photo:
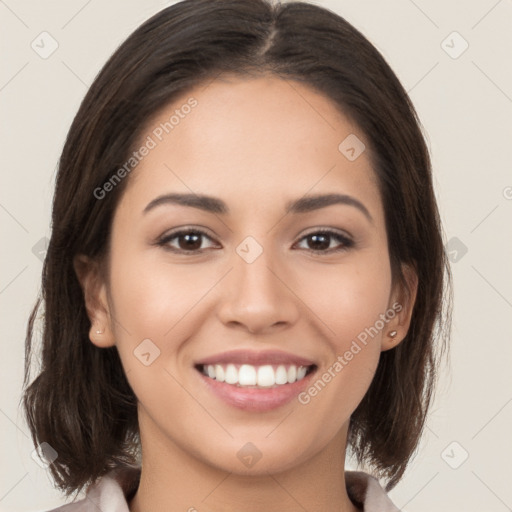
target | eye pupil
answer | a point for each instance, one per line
(193, 241)
(322, 238)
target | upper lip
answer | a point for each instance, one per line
(255, 358)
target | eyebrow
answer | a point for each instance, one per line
(214, 205)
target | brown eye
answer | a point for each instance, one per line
(320, 241)
(188, 241)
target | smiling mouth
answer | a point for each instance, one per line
(256, 376)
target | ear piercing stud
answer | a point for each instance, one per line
(392, 334)
(99, 332)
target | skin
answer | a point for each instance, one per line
(255, 143)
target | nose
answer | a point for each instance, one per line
(258, 296)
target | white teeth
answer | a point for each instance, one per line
(219, 373)
(247, 375)
(292, 374)
(301, 372)
(265, 376)
(231, 374)
(281, 375)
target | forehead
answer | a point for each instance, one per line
(256, 140)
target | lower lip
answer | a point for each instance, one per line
(256, 399)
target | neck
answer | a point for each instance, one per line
(173, 480)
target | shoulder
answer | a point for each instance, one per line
(366, 492)
(108, 494)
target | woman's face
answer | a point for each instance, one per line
(263, 296)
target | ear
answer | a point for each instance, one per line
(402, 300)
(94, 287)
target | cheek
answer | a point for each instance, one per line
(352, 304)
(161, 302)
(151, 297)
(152, 319)
(348, 299)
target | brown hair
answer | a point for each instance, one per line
(80, 403)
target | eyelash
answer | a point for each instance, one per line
(346, 242)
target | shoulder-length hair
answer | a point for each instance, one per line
(80, 403)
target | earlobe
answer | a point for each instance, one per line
(390, 339)
(94, 290)
(403, 299)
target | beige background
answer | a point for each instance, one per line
(465, 104)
